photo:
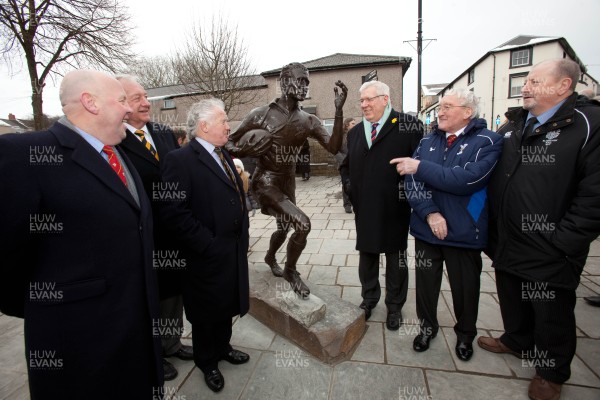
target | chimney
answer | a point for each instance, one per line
(12, 117)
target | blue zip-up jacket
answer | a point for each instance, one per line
(453, 182)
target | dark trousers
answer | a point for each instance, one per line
(396, 279)
(464, 270)
(211, 342)
(345, 197)
(171, 310)
(535, 314)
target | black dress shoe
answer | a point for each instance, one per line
(184, 353)
(236, 357)
(421, 342)
(593, 300)
(464, 350)
(393, 320)
(214, 380)
(367, 309)
(169, 370)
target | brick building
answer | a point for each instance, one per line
(170, 104)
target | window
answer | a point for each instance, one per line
(328, 124)
(168, 103)
(471, 76)
(516, 84)
(519, 58)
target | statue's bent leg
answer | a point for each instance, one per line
(296, 244)
(290, 274)
(277, 239)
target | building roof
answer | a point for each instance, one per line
(334, 61)
(523, 41)
(433, 89)
(165, 92)
(15, 123)
(344, 60)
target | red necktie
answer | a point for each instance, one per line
(374, 131)
(113, 160)
(450, 139)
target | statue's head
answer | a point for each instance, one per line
(294, 81)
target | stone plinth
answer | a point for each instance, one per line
(332, 338)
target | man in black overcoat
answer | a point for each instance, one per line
(76, 237)
(209, 218)
(146, 144)
(382, 213)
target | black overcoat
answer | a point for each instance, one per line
(211, 223)
(382, 214)
(166, 261)
(77, 265)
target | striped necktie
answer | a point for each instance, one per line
(229, 173)
(374, 131)
(113, 160)
(146, 143)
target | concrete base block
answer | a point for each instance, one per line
(332, 338)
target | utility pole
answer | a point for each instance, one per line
(419, 50)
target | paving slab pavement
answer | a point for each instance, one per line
(384, 366)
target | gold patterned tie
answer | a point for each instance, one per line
(226, 167)
(229, 173)
(146, 143)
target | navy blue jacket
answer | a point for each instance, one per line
(453, 182)
(211, 223)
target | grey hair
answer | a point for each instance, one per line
(128, 77)
(204, 110)
(380, 88)
(467, 98)
(566, 68)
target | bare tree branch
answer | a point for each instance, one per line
(153, 72)
(214, 61)
(54, 36)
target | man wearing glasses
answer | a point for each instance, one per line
(376, 191)
(446, 187)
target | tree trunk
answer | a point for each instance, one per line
(36, 103)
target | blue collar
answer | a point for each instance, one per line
(545, 116)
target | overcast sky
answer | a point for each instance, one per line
(279, 32)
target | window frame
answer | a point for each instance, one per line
(529, 49)
(165, 107)
(510, 86)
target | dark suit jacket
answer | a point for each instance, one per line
(166, 263)
(381, 211)
(77, 253)
(212, 224)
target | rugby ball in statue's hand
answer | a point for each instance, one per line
(253, 137)
(255, 142)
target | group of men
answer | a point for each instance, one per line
(100, 199)
(528, 195)
(108, 236)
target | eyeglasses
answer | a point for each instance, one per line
(370, 99)
(448, 107)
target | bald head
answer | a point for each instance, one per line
(548, 83)
(562, 68)
(76, 82)
(95, 102)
